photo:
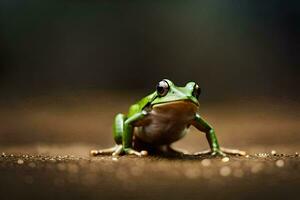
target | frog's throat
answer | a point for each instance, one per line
(178, 102)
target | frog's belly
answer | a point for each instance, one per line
(166, 123)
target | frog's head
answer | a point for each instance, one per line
(167, 91)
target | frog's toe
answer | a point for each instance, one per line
(103, 151)
(117, 151)
(144, 153)
(218, 153)
(94, 152)
(141, 153)
(137, 153)
(209, 152)
(200, 153)
(234, 151)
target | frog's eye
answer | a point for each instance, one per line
(197, 91)
(162, 88)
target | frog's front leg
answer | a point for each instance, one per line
(215, 148)
(122, 133)
(118, 130)
(128, 134)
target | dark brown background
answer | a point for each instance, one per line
(231, 48)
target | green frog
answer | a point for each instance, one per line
(159, 119)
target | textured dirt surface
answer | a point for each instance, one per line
(44, 145)
(72, 177)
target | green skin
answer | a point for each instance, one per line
(141, 115)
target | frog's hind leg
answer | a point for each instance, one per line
(118, 131)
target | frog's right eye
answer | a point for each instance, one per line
(196, 91)
(162, 88)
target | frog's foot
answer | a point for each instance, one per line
(131, 151)
(233, 151)
(118, 151)
(221, 152)
(209, 152)
(104, 151)
(205, 152)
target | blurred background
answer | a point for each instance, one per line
(67, 67)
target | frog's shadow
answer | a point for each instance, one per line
(172, 154)
(180, 156)
(168, 152)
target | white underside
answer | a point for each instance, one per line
(167, 122)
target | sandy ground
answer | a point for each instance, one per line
(44, 145)
(259, 176)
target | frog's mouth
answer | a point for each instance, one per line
(179, 103)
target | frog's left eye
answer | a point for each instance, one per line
(162, 88)
(197, 91)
